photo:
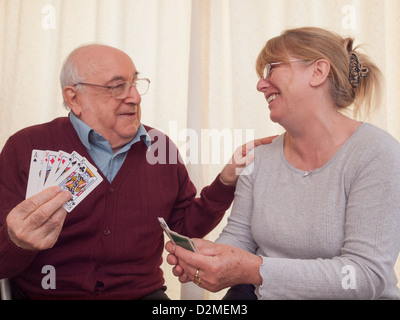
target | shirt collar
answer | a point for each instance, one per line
(85, 133)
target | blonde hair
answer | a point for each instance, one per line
(312, 44)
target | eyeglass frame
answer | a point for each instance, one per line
(132, 84)
(268, 67)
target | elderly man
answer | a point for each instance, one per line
(110, 246)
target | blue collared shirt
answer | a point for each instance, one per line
(100, 149)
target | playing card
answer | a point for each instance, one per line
(79, 181)
(40, 183)
(178, 239)
(35, 171)
(61, 158)
(49, 160)
(74, 159)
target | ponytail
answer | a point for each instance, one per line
(366, 80)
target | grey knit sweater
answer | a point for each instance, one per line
(333, 233)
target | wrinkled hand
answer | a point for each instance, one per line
(241, 158)
(220, 266)
(36, 223)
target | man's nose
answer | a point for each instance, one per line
(133, 95)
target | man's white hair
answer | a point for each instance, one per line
(69, 75)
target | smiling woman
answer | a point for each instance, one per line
(312, 44)
(322, 199)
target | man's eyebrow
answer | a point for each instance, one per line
(121, 78)
(116, 78)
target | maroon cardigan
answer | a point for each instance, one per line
(111, 244)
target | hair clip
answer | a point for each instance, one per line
(356, 71)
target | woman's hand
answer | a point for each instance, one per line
(216, 266)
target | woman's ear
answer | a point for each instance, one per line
(71, 97)
(321, 71)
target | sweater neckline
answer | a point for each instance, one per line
(75, 140)
(341, 150)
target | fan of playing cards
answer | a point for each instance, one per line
(71, 172)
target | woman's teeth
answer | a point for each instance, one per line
(272, 98)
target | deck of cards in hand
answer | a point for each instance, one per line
(71, 172)
(176, 238)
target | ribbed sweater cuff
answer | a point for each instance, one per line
(13, 258)
(217, 191)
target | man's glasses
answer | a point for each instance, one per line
(121, 91)
(272, 65)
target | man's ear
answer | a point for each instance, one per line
(321, 71)
(73, 99)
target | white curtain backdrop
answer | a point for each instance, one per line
(200, 56)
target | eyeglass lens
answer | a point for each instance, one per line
(122, 91)
(267, 69)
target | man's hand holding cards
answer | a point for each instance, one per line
(177, 238)
(70, 172)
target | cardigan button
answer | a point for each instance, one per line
(111, 190)
(106, 232)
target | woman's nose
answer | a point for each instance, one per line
(262, 85)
